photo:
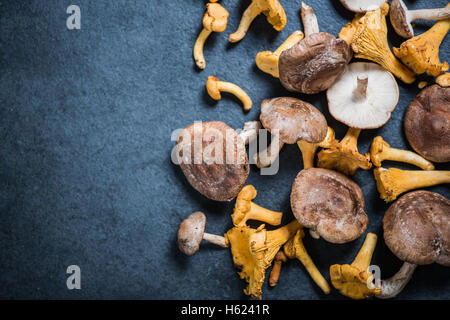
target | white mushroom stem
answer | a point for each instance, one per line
(266, 157)
(394, 285)
(309, 19)
(217, 240)
(250, 131)
(361, 87)
(198, 48)
(314, 234)
(428, 14)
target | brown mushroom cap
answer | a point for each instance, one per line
(330, 204)
(417, 228)
(399, 20)
(427, 123)
(295, 119)
(190, 233)
(313, 64)
(217, 181)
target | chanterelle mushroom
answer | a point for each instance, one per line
(272, 9)
(444, 80)
(254, 250)
(367, 35)
(344, 156)
(380, 150)
(330, 204)
(362, 5)
(313, 64)
(214, 86)
(245, 209)
(427, 123)
(267, 61)
(364, 96)
(191, 233)
(214, 20)
(309, 149)
(421, 53)
(401, 17)
(417, 230)
(393, 182)
(213, 158)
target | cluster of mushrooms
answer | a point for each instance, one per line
(324, 199)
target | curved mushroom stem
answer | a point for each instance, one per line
(350, 140)
(429, 14)
(393, 286)
(238, 92)
(248, 16)
(266, 157)
(250, 131)
(294, 38)
(308, 150)
(198, 48)
(309, 19)
(276, 269)
(362, 260)
(217, 240)
(361, 87)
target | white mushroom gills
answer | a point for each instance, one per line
(391, 287)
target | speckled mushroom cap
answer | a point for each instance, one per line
(190, 233)
(314, 63)
(427, 123)
(417, 228)
(295, 119)
(330, 204)
(216, 163)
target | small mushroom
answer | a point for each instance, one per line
(427, 123)
(213, 158)
(280, 258)
(380, 150)
(362, 5)
(272, 9)
(191, 233)
(444, 80)
(401, 17)
(245, 209)
(421, 53)
(364, 96)
(417, 230)
(313, 64)
(330, 204)
(393, 182)
(214, 20)
(308, 149)
(214, 86)
(289, 120)
(267, 61)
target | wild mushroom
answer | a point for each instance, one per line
(352, 279)
(191, 233)
(250, 131)
(308, 149)
(362, 5)
(344, 155)
(427, 123)
(444, 80)
(313, 64)
(245, 209)
(401, 17)
(289, 120)
(214, 86)
(417, 230)
(213, 158)
(267, 61)
(295, 248)
(280, 258)
(272, 9)
(214, 20)
(367, 35)
(380, 150)
(330, 204)
(393, 182)
(253, 251)
(364, 96)
(421, 53)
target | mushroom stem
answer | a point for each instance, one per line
(393, 182)
(250, 131)
(308, 149)
(252, 11)
(238, 92)
(314, 234)
(198, 48)
(276, 269)
(266, 157)
(295, 37)
(350, 140)
(309, 19)
(215, 239)
(362, 260)
(429, 14)
(393, 286)
(361, 86)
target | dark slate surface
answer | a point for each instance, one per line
(85, 170)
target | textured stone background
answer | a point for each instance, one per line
(85, 170)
